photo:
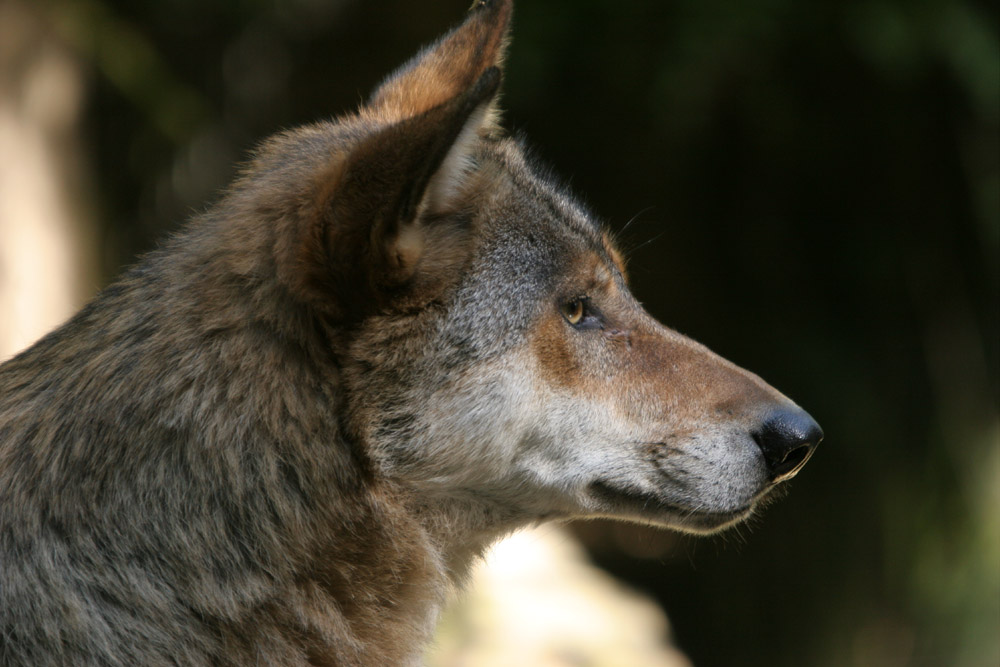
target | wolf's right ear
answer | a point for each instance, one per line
(446, 68)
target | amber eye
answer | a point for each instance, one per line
(573, 311)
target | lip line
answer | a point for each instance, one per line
(646, 501)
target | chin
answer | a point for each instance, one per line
(706, 523)
(652, 509)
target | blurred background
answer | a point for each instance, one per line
(810, 188)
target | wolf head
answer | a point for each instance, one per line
(492, 353)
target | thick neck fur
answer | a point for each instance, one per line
(211, 374)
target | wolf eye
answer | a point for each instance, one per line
(573, 311)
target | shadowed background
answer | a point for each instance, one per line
(811, 189)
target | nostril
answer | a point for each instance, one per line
(787, 439)
(792, 462)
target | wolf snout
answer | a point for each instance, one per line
(788, 437)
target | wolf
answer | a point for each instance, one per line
(284, 436)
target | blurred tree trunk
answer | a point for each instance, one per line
(47, 254)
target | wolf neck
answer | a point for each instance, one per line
(461, 530)
(371, 537)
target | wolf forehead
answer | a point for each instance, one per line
(536, 211)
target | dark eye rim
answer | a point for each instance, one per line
(580, 313)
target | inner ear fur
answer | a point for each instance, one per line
(365, 237)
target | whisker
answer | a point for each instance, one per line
(646, 243)
(634, 218)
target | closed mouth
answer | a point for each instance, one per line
(650, 507)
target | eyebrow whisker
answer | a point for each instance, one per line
(634, 218)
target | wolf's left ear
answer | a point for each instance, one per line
(371, 229)
(446, 68)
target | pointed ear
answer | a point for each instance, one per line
(366, 238)
(446, 68)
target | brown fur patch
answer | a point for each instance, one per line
(552, 349)
(552, 341)
(450, 66)
(617, 258)
(301, 253)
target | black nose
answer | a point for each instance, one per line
(788, 438)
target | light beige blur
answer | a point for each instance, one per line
(47, 263)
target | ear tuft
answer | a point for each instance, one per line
(407, 249)
(446, 185)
